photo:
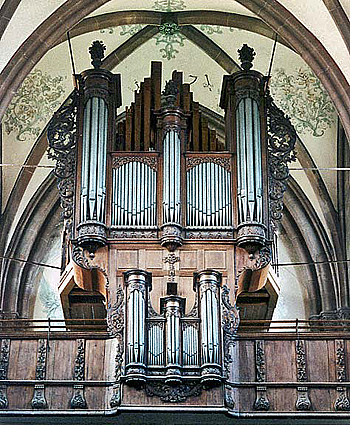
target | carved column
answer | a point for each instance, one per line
(303, 402)
(99, 96)
(78, 399)
(170, 121)
(261, 402)
(342, 402)
(208, 283)
(39, 400)
(173, 307)
(137, 285)
(4, 365)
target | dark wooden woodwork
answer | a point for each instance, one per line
(280, 366)
(136, 131)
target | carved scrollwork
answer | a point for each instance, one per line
(230, 323)
(215, 234)
(151, 161)
(281, 144)
(340, 362)
(261, 402)
(342, 402)
(173, 393)
(115, 314)
(4, 364)
(115, 321)
(61, 137)
(301, 360)
(263, 258)
(79, 258)
(38, 400)
(228, 397)
(303, 402)
(3, 397)
(79, 365)
(40, 372)
(193, 161)
(115, 399)
(260, 361)
(4, 358)
(133, 234)
(78, 399)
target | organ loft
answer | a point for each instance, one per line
(168, 248)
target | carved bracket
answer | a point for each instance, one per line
(228, 397)
(39, 400)
(62, 143)
(303, 402)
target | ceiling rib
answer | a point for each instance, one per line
(210, 48)
(129, 46)
(147, 17)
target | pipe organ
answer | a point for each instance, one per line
(168, 221)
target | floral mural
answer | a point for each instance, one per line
(302, 97)
(33, 104)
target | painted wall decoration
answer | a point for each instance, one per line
(50, 300)
(35, 101)
(302, 97)
(169, 5)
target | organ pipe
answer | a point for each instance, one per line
(137, 286)
(208, 284)
(243, 99)
(173, 307)
(134, 195)
(209, 196)
(171, 122)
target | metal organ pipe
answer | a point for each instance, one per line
(249, 174)
(98, 97)
(208, 283)
(173, 307)
(209, 196)
(244, 99)
(171, 178)
(137, 286)
(93, 173)
(134, 195)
